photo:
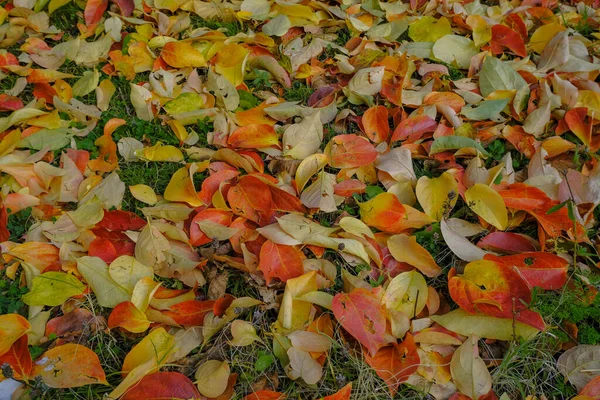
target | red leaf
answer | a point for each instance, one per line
(104, 249)
(504, 37)
(413, 128)
(361, 313)
(118, 220)
(507, 242)
(9, 103)
(4, 233)
(395, 364)
(350, 151)
(280, 261)
(18, 358)
(94, 9)
(376, 125)
(126, 7)
(190, 312)
(163, 386)
(545, 270)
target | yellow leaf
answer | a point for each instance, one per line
(488, 204)
(294, 314)
(144, 193)
(127, 271)
(429, 29)
(482, 31)
(437, 196)
(12, 327)
(212, 378)
(543, 35)
(182, 54)
(407, 293)
(158, 152)
(405, 248)
(9, 142)
(308, 167)
(155, 347)
(230, 62)
(181, 186)
(243, 333)
(178, 129)
(591, 100)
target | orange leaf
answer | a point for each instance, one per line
(12, 327)
(18, 358)
(522, 197)
(127, 316)
(68, 366)
(163, 385)
(253, 136)
(182, 55)
(384, 212)
(395, 364)
(350, 151)
(342, 394)
(376, 125)
(251, 199)
(361, 313)
(575, 120)
(280, 261)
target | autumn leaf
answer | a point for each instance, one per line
(396, 363)
(280, 261)
(362, 315)
(69, 366)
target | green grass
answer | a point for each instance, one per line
(10, 295)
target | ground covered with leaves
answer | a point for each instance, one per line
(256, 199)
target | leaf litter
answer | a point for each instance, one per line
(366, 199)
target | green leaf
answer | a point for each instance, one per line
(488, 109)
(53, 289)
(373, 191)
(454, 143)
(557, 207)
(264, 361)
